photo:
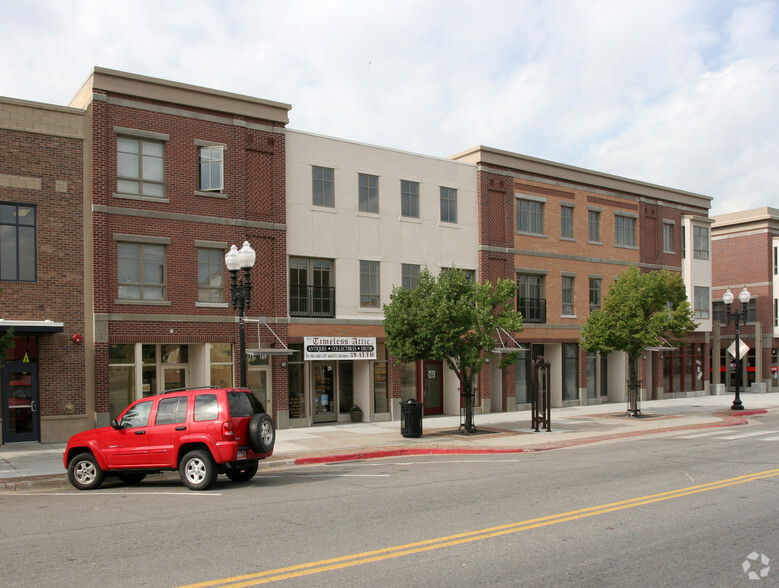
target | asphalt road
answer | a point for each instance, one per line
(678, 509)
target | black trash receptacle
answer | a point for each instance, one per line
(411, 418)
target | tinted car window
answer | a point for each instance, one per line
(136, 416)
(243, 404)
(206, 407)
(171, 410)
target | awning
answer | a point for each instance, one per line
(23, 327)
(269, 342)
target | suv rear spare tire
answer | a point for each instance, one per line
(262, 433)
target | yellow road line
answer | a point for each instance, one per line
(324, 565)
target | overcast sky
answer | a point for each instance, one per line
(681, 93)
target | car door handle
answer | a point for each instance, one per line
(142, 432)
(181, 428)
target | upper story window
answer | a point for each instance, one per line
(668, 237)
(448, 205)
(700, 246)
(17, 243)
(370, 296)
(211, 168)
(410, 275)
(530, 298)
(593, 221)
(311, 290)
(141, 271)
(595, 293)
(701, 302)
(409, 199)
(323, 186)
(140, 167)
(210, 275)
(566, 221)
(369, 193)
(624, 230)
(530, 216)
(567, 295)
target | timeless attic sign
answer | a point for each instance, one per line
(339, 348)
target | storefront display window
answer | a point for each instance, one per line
(380, 381)
(297, 404)
(121, 377)
(221, 364)
(408, 381)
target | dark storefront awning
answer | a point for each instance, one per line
(27, 327)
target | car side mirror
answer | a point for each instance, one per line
(115, 424)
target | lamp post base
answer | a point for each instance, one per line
(737, 405)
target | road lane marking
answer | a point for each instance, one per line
(696, 435)
(750, 434)
(356, 559)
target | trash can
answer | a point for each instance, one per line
(411, 418)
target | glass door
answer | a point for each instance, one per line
(324, 392)
(21, 410)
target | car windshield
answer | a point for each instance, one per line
(243, 404)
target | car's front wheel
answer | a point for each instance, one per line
(198, 470)
(243, 474)
(84, 472)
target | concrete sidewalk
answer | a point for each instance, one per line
(25, 465)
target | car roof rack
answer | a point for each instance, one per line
(191, 388)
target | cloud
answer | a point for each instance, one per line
(672, 92)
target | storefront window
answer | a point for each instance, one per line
(774, 368)
(297, 406)
(592, 374)
(408, 381)
(522, 378)
(121, 377)
(221, 364)
(570, 371)
(345, 386)
(380, 380)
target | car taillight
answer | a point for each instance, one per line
(228, 433)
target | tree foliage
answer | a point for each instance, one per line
(640, 308)
(450, 319)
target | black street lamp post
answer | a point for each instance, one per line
(738, 317)
(241, 292)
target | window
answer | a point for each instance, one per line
(567, 292)
(210, 270)
(702, 300)
(570, 371)
(18, 243)
(593, 220)
(369, 284)
(751, 311)
(381, 389)
(700, 242)
(171, 410)
(566, 221)
(530, 298)
(137, 416)
(718, 313)
(140, 167)
(624, 230)
(211, 163)
(684, 242)
(595, 293)
(323, 186)
(221, 362)
(369, 193)
(409, 199)
(530, 216)
(448, 205)
(141, 268)
(668, 237)
(311, 290)
(410, 276)
(206, 407)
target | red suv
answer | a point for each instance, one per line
(200, 432)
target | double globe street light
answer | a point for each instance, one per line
(738, 317)
(241, 292)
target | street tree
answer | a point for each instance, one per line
(641, 310)
(454, 320)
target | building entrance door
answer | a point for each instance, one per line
(432, 377)
(323, 374)
(21, 410)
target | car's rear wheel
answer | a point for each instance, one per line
(131, 478)
(84, 472)
(243, 474)
(262, 433)
(198, 470)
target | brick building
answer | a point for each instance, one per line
(745, 247)
(564, 234)
(42, 260)
(175, 174)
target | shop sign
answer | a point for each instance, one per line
(339, 348)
